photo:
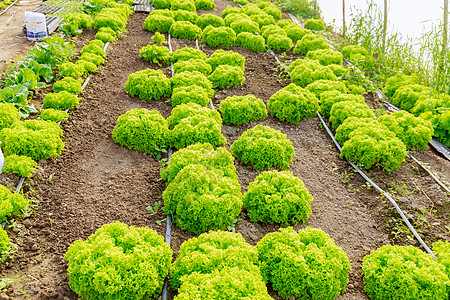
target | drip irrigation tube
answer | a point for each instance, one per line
(416, 235)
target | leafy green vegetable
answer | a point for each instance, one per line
(200, 199)
(296, 32)
(188, 5)
(53, 115)
(158, 23)
(156, 54)
(229, 10)
(320, 86)
(305, 74)
(89, 67)
(264, 147)
(114, 17)
(210, 19)
(53, 50)
(11, 203)
(251, 42)
(21, 165)
(93, 49)
(119, 262)
(328, 99)
(399, 80)
(70, 69)
(406, 96)
(34, 138)
(403, 272)
(244, 25)
(142, 130)
(184, 15)
(16, 95)
(159, 38)
(8, 115)
(203, 154)
(211, 251)
(93, 58)
(226, 76)
(161, 4)
(193, 64)
(104, 36)
(270, 8)
(222, 57)
(279, 42)
(277, 197)
(230, 18)
(187, 53)
(310, 42)
(293, 104)
(186, 110)
(326, 56)
(4, 241)
(344, 109)
(190, 94)
(352, 123)
(263, 20)
(306, 264)
(315, 24)
(68, 84)
(441, 125)
(205, 4)
(219, 36)
(148, 84)
(192, 78)
(442, 251)
(304, 63)
(269, 30)
(238, 110)
(73, 24)
(185, 30)
(355, 52)
(61, 100)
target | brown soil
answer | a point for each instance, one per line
(96, 181)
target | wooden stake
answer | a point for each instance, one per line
(343, 18)
(445, 31)
(385, 25)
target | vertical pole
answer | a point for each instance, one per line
(343, 18)
(445, 31)
(384, 25)
(315, 9)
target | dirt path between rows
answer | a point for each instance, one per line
(96, 181)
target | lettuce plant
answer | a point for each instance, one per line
(148, 84)
(184, 15)
(230, 10)
(93, 58)
(277, 197)
(186, 110)
(279, 42)
(414, 132)
(293, 104)
(61, 100)
(226, 76)
(310, 42)
(190, 94)
(285, 23)
(94, 49)
(345, 109)
(222, 57)
(371, 145)
(105, 36)
(161, 4)
(269, 30)
(196, 129)
(142, 130)
(219, 36)
(158, 38)
(230, 18)
(73, 23)
(8, 115)
(159, 55)
(68, 84)
(5, 243)
(355, 53)
(229, 283)
(320, 86)
(11, 203)
(200, 199)
(249, 41)
(315, 24)
(238, 110)
(114, 18)
(21, 165)
(211, 251)
(54, 115)
(403, 272)
(271, 9)
(306, 74)
(192, 78)
(326, 56)
(244, 25)
(328, 99)
(205, 4)
(264, 147)
(397, 81)
(119, 262)
(441, 127)
(296, 32)
(210, 19)
(263, 20)
(88, 66)
(34, 138)
(204, 154)
(352, 123)
(53, 50)
(187, 53)
(406, 96)
(158, 23)
(188, 5)
(193, 64)
(185, 30)
(442, 251)
(304, 63)
(252, 9)
(69, 69)
(306, 264)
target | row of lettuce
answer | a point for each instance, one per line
(24, 142)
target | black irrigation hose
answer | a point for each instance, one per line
(380, 190)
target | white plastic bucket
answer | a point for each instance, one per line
(36, 26)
